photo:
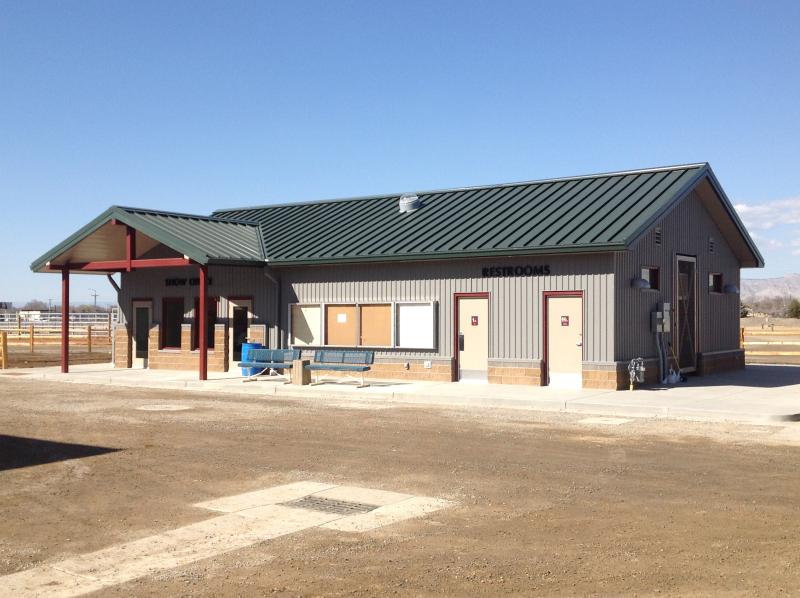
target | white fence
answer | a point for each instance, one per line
(45, 325)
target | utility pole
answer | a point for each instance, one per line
(94, 295)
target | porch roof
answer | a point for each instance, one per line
(202, 239)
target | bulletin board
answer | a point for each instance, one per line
(376, 325)
(341, 325)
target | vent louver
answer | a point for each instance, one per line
(409, 202)
(658, 235)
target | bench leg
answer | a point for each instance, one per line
(363, 383)
(252, 378)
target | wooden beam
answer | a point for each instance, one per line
(65, 320)
(123, 265)
(203, 328)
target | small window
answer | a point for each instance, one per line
(715, 282)
(651, 275)
(211, 310)
(171, 320)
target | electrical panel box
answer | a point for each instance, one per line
(660, 320)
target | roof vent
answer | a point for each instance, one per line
(409, 202)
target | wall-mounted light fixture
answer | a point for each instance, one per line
(731, 288)
(640, 284)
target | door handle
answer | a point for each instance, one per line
(460, 341)
(580, 341)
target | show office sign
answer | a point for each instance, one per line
(182, 282)
(527, 270)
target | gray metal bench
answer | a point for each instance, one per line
(333, 360)
(270, 359)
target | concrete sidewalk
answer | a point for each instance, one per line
(760, 394)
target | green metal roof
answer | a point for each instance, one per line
(204, 239)
(603, 212)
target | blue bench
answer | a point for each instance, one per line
(270, 359)
(333, 360)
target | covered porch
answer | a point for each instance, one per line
(126, 240)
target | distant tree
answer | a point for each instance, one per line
(87, 308)
(35, 305)
(793, 310)
(744, 310)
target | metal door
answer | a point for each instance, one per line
(239, 315)
(685, 342)
(473, 338)
(565, 341)
(142, 318)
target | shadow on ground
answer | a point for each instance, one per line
(17, 451)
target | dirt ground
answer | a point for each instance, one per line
(44, 355)
(546, 505)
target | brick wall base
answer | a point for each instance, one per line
(123, 346)
(614, 375)
(516, 372)
(185, 358)
(720, 361)
(441, 370)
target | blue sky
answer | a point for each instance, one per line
(193, 106)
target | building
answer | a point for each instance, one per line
(550, 281)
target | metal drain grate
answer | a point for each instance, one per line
(329, 505)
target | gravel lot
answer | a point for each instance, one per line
(546, 505)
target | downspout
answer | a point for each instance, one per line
(113, 333)
(277, 282)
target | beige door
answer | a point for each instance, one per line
(473, 338)
(564, 341)
(240, 313)
(142, 321)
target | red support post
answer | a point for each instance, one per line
(203, 327)
(130, 246)
(65, 320)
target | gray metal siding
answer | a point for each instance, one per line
(685, 230)
(227, 281)
(515, 302)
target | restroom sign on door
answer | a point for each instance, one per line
(565, 320)
(474, 320)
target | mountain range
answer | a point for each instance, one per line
(764, 288)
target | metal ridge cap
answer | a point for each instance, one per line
(187, 215)
(309, 202)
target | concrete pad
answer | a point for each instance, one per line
(416, 506)
(248, 519)
(46, 582)
(181, 546)
(260, 498)
(363, 495)
(753, 395)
